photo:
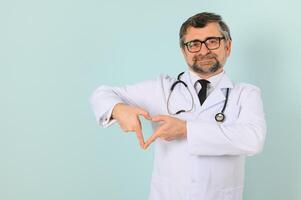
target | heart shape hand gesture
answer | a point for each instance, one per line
(128, 119)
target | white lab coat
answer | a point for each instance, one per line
(209, 163)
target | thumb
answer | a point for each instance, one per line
(158, 118)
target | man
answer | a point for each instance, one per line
(203, 127)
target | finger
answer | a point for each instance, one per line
(152, 138)
(145, 114)
(140, 138)
(148, 117)
(159, 118)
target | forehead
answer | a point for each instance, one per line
(210, 30)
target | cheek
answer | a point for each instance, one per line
(189, 58)
(221, 56)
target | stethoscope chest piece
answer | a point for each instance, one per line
(220, 117)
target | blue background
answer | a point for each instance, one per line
(53, 54)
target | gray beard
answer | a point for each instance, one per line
(201, 70)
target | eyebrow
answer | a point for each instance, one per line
(198, 40)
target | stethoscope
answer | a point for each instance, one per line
(219, 117)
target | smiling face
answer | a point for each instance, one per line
(205, 62)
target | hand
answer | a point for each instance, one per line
(128, 119)
(171, 128)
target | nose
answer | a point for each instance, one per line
(204, 50)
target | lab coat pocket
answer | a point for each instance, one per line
(231, 193)
(199, 191)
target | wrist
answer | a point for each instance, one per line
(115, 110)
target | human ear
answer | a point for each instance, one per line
(183, 51)
(228, 47)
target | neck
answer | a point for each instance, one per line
(208, 75)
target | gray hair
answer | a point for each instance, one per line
(200, 20)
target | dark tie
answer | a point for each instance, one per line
(203, 92)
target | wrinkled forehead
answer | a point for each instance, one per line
(210, 30)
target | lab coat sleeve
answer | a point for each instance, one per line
(245, 136)
(104, 98)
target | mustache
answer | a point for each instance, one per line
(204, 57)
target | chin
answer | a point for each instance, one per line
(206, 69)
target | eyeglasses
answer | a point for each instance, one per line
(211, 43)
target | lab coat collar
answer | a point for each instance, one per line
(219, 93)
(215, 97)
(214, 80)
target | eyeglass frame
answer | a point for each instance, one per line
(204, 41)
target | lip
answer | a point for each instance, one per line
(209, 60)
(204, 58)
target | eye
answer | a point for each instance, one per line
(212, 41)
(193, 44)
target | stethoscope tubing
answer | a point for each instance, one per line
(219, 117)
